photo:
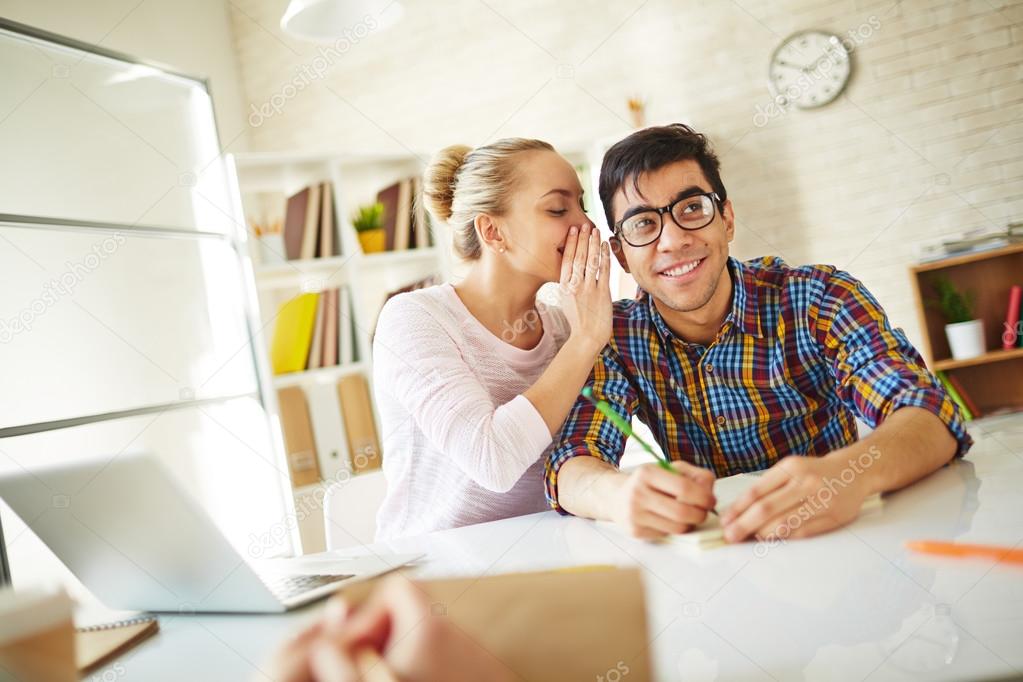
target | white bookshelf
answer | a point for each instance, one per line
(265, 181)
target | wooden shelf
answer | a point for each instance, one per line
(993, 380)
(319, 374)
(968, 258)
(990, 356)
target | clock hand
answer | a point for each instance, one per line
(782, 62)
(808, 69)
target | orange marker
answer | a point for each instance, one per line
(954, 549)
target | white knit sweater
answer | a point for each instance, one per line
(461, 444)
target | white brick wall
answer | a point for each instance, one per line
(927, 140)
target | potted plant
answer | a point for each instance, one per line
(965, 333)
(368, 223)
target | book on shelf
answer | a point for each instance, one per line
(403, 215)
(405, 221)
(330, 328)
(294, 223)
(963, 395)
(310, 228)
(1011, 334)
(388, 197)
(299, 443)
(310, 231)
(315, 357)
(325, 247)
(360, 427)
(293, 332)
(346, 323)
(955, 395)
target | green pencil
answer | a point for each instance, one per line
(626, 428)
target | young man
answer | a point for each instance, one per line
(735, 366)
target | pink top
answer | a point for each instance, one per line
(461, 444)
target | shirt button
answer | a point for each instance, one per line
(710, 368)
(721, 420)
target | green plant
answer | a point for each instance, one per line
(369, 217)
(955, 306)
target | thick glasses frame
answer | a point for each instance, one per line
(713, 196)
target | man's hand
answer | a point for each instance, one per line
(799, 497)
(653, 502)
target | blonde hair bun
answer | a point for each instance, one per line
(440, 177)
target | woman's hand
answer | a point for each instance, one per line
(586, 288)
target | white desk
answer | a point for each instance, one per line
(849, 605)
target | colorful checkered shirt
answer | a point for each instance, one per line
(802, 354)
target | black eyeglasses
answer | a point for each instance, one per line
(693, 212)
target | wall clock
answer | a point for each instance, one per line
(809, 69)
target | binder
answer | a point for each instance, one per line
(328, 432)
(298, 436)
(360, 427)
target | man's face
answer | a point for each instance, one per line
(682, 269)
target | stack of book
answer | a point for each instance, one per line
(329, 431)
(314, 330)
(970, 242)
(959, 396)
(309, 225)
(406, 223)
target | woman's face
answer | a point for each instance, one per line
(546, 202)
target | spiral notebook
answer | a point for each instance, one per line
(97, 643)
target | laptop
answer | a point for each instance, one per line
(139, 541)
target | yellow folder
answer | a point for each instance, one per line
(293, 333)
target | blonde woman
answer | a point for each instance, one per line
(472, 380)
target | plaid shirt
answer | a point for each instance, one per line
(803, 352)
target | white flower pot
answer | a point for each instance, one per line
(966, 339)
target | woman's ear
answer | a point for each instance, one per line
(489, 233)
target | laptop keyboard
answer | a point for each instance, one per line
(288, 586)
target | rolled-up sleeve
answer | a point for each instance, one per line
(875, 367)
(587, 432)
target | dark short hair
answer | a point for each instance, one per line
(651, 149)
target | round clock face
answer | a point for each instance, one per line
(809, 69)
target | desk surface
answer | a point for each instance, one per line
(852, 604)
